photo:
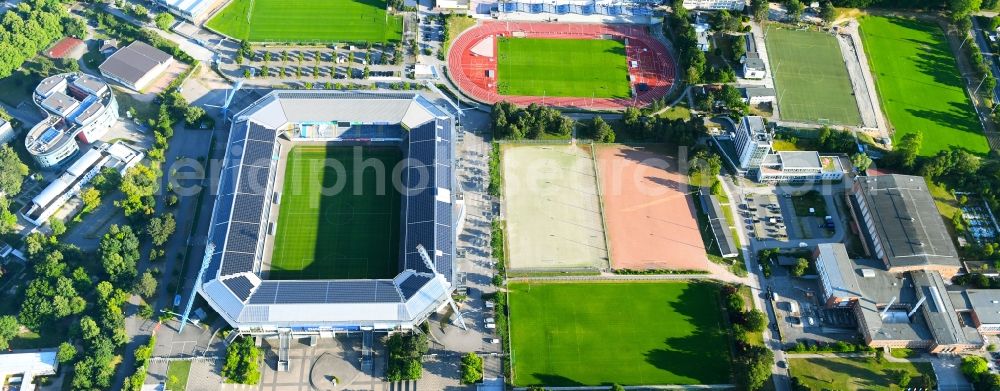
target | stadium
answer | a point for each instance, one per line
(571, 65)
(288, 256)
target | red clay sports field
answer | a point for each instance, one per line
(472, 62)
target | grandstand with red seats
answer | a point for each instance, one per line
(472, 62)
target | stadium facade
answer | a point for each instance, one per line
(233, 282)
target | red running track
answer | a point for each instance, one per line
(656, 68)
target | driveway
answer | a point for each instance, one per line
(949, 374)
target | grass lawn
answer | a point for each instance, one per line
(810, 199)
(177, 375)
(785, 145)
(32, 340)
(810, 77)
(854, 373)
(562, 67)
(308, 21)
(575, 334)
(919, 84)
(677, 112)
(351, 234)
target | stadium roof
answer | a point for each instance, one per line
(246, 187)
(720, 226)
(906, 222)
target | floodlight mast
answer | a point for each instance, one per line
(451, 301)
(209, 250)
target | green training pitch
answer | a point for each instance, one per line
(306, 21)
(811, 80)
(919, 84)
(349, 234)
(588, 334)
(562, 67)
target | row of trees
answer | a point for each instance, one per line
(636, 127)
(513, 123)
(753, 361)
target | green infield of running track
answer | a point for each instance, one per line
(306, 21)
(811, 79)
(919, 84)
(629, 333)
(347, 234)
(583, 68)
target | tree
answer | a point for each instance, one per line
(146, 286)
(827, 12)
(119, 251)
(759, 9)
(795, 9)
(472, 368)
(193, 115)
(908, 149)
(138, 185)
(7, 218)
(733, 99)
(754, 320)
(961, 9)
(91, 198)
(242, 362)
(57, 226)
(861, 160)
(74, 27)
(12, 170)
(903, 378)
(973, 367)
(617, 387)
(159, 229)
(600, 131)
(88, 328)
(8, 330)
(800, 267)
(164, 20)
(66, 353)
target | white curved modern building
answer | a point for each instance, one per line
(79, 106)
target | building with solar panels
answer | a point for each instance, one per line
(241, 279)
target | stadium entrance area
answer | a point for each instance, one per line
(333, 225)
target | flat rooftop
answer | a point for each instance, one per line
(907, 221)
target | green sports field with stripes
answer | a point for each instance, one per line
(562, 67)
(811, 79)
(322, 233)
(308, 21)
(629, 333)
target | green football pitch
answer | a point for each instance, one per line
(811, 80)
(562, 67)
(306, 21)
(589, 334)
(919, 84)
(352, 233)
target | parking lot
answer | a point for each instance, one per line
(800, 313)
(762, 218)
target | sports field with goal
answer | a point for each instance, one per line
(811, 80)
(562, 67)
(630, 333)
(348, 234)
(305, 21)
(919, 84)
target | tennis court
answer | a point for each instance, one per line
(325, 234)
(650, 215)
(562, 67)
(629, 333)
(811, 79)
(305, 21)
(553, 208)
